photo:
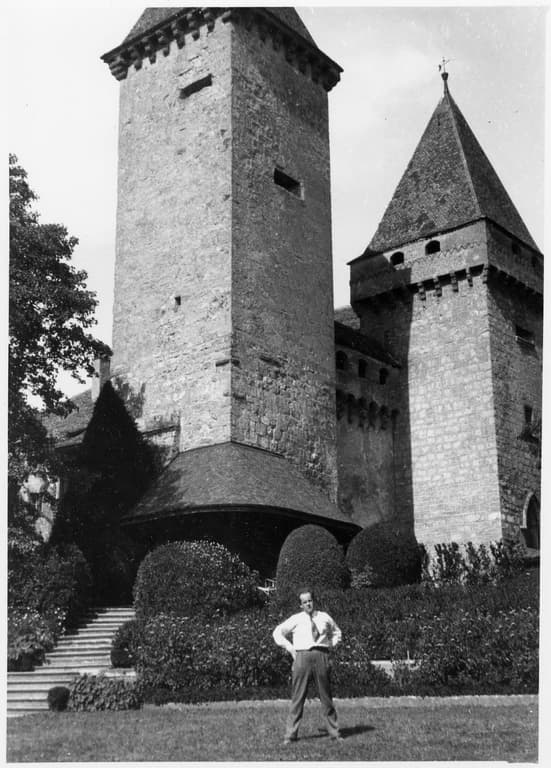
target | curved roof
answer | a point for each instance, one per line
(233, 475)
(449, 182)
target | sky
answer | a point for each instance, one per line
(63, 112)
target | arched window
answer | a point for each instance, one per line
(342, 361)
(372, 413)
(362, 369)
(383, 417)
(531, 529)
(432, 247)
(397, 258)
(383, 376)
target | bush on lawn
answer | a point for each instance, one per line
(91, 693)
(191, 578)
(466, 652)
(310, 557)
(384, 555)
(58, 697)
(180, 653)
(125, 644)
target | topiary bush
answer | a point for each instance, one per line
(189, 578)
(125, 644)
(91, 693)
(384, 555)
(58, 698)
(310, 556)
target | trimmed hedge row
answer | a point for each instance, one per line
(92, 693)
(460, 646)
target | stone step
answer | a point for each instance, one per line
(23, 705)
(83, 644)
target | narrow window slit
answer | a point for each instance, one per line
(287, 182)
(203, 82)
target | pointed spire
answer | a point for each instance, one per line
(448, 183)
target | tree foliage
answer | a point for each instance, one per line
(50, 310)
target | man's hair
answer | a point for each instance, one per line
(304, 591)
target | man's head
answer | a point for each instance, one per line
(306, 597)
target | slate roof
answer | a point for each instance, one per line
(232, 474)
(153, 16)
(353, 339)
(347, 316)
(449, 182)
(69, 430)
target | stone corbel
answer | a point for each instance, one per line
(421, 289)
(453, 278)
(178, 32)
(469, 277)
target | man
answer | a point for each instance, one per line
(312, 633)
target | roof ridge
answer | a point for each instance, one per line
(453, 106)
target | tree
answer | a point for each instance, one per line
(50, 310)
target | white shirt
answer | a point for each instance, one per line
(298, 627)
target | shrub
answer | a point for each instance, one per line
(58, 697)
(50, 581)
(470, 652)
(29, 638)
(310, 556)
(188, 653)
(189, 578)
(387, 555)
(67, 582)
(473, 564)
(91, 693)
(125, 644)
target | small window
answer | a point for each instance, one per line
(342, 361)
(196, 86)
(397, 258)
(432, 247)
(362, 369)
(524, 336)
(383, 376)
(177, 301)
(287, 182)
(528, 414)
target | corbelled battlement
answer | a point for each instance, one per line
(170, 26)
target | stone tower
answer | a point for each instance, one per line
(451, 284)
(223, 313)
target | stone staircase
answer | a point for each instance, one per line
(85, 651)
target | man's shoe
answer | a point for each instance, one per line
(287, 741)
(337, 739)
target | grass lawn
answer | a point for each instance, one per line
(373, 729)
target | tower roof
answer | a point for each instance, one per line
(151, 17)
(449, 182)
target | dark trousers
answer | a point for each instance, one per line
(314, 662)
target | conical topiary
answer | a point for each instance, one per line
(311, 556)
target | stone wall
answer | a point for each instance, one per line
(516, 371)
(172, 310)
(436, 324)
(367, 423)
(283, 378)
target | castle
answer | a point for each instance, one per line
(418, 404)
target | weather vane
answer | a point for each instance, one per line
(442, 66)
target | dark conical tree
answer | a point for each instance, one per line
(113, 468)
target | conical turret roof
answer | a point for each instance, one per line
(448, 183)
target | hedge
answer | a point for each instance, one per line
(191, 578)
(92, 693)
(125, 644)
(310, 557)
